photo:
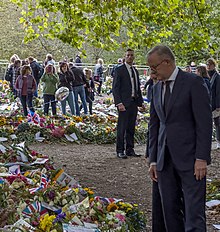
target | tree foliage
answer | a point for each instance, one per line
(189, 26)
(12, 38)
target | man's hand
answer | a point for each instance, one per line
(121, 107)
(200, 169)
(153, 172)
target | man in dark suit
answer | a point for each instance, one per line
(127, 98)
(180, 133)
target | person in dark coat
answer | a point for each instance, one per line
(89, 89)
(37, 71)
(202, 72)
(180, 137)
(79, 90)
(215, 94)
(66, 79)
(78, 61)
(127, 98)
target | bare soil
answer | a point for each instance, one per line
(97, 167)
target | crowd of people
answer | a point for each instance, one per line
(25, 76)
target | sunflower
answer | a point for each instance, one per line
(112, 207)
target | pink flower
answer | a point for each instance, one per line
(33, 153)
(120, 217)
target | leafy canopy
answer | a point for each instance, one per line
(189, 26)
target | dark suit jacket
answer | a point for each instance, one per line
(122, 88)
(187, 128)
(215, 90)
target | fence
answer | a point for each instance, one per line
(143, 69)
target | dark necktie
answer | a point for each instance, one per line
(166, 95)
(134, 82)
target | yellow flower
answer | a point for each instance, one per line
(89, 191)
(26, 173)
(76, 190)
(65, 188)
(46, 222)
(2, 121)
(20, 119)
(72, 124)
(112, 207)
(77, 118)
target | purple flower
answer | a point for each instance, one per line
(51, 195)
(59, 218)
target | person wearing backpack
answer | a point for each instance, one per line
(37, 71)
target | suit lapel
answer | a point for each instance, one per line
(158, 100)
(178, 86)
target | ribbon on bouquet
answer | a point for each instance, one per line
(43, 184)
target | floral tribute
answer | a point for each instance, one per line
(34, 196)
(98, 128)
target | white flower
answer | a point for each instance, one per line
(51, 203)
(64, 202)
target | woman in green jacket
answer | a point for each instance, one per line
(50, 80)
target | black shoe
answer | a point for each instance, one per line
(132, 154)
(122, 156)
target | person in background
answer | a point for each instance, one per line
(49, 60)
(17, 72)
(12, 72)
(127, 98)
(24, 62)
(193, 67)
(37, 71)
(149, 85)
(201, 71)
(49, 80)
(78, 61)
(98, 74)
(188, 69)
(66, 79)
(89, 90)
(25, 86)
(78, 89)
(120, 61)
(215, 94)
(180, 138)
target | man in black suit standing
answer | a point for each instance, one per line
(180, 133)
(127, 98)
